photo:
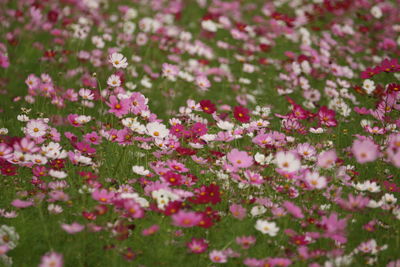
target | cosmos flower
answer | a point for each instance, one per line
(186, 218)
(114, 81)
(72, 228)
(118, 60)
(239, 159)
(287, 161)
(365, 150)
(51, 259)
(267, 227)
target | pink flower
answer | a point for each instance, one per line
(240, 159)
(293, 209)
(133, 209)
(72, 228)
(354, 203)
(151, 230)
(365, 150)
(169, 70)
(21, 203)
(119, 108)
(245, 241)
(327, 159)
(4, 249)
(197, 245)
(238, 211)
(186, 218)
(92, 138)
(334, 228)
(52, 259)
(218, 256)
(203, 83)
(103, 195)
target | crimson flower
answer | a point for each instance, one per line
(241, 114)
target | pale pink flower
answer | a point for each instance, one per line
(365, 150)
(72, 228)
(240, 159)
(327, 159)
(186, 218)
(52, 259)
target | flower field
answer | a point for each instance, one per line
(199, 133)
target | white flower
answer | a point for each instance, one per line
(55, 209)
(315, 181)
(316, 130)
(3, 131)
(129, 27)
(248, 68)
(131, 13)
(376, 12)
(225, 125)
(157, 130)
(82, 119)
(325, 207)
(114, 81)
(209, 25)
(8, 236)
(368, 186)
(86, 94)
(258, 210)
(365, 123)
(57, 174)
(389, 199)
(84, 160)
(262, 159)
(287, 161)
(267, 227)
(208, 137)
(369, 86)
(36, 128)
(140, 170)
(37, 159)
(163, 197)
(118, 60)
(374, 204)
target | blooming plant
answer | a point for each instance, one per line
(185, 133)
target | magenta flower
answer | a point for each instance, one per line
(327, 117)
(92, 138)
(365, 150)
(85, 148)
(186, 218)
(199, 129)
(240, 159)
